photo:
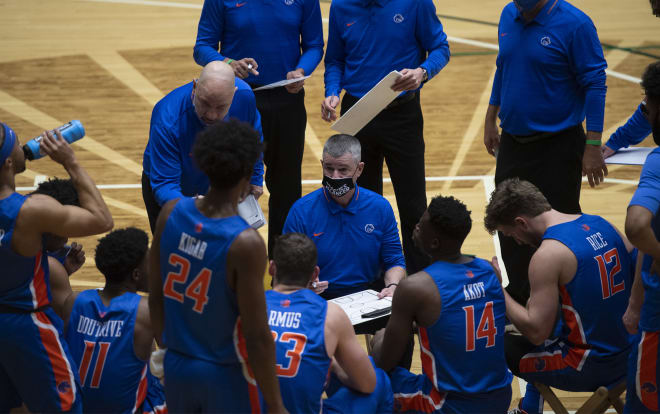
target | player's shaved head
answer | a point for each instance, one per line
(214, 92)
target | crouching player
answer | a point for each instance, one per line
(109, 330)
(458, 305)
(313, 337)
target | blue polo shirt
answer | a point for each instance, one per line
(632, 132)
(355, 244)
(272, 32)
(550, 72)
(168, 160)
(368, 39)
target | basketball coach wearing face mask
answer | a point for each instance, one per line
(354, 229)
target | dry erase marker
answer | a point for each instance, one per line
(377, 313)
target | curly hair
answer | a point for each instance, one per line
(295, 258)
(450, 218)
(226, 152)
(61, 190)
(651, 81)
(513, 198)
(120, 252)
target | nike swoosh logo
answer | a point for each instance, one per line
(241, 4)
(350, 24)
(503, 34)
(318, 234)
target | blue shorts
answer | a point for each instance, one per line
(35, 364)
(154, 402)
(416, 394)
(342, 399)
(547, 364)
(642, 383)
(195, 385)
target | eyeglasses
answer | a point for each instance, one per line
(644, 109)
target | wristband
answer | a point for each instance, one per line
(593, 142)
(229, 61)
(391, 284)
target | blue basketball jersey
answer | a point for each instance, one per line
(24, 283)
(602, 282)
(463, 351)
(201, 310)
(297, 322)
(100, 337)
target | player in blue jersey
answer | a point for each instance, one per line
(643, 229)
(314, 338)
(206, 286)
(63, 260)
(458, 307)
(35, 366)
(109, 330)
(169, 170)
(580, 278)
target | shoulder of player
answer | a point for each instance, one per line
(247, 244)
(551, 256)
(415, 287)
(36, 207)
(143, 316)
(336, 319)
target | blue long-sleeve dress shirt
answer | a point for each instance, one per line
(168, 160)
(281, 35)
(355, 244)
(368, 39)
(632, 132)
(550, 72)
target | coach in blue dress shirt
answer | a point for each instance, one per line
(168, 168)
(368, 39)
(280, 39)
(550, 75)
(354, 229)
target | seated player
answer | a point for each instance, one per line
(313, 336)
(580, 277)
(458, 306)
(109, 330)
(63, 260)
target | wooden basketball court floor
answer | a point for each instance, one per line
(107, 62)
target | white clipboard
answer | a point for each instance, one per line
(630, 156)
(250, 210)
(368, 106)
(359, 303)
(280, 83)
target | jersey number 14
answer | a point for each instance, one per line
(486, 328)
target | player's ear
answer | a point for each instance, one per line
(316, 272)
(272, 268)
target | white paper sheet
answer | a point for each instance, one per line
(630, 156)
(358, 303)
(368, 106)
(251, 212)
(280, 83)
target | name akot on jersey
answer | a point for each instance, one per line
(284, 319)
(92, 327)
(192, 246)
(474, 291)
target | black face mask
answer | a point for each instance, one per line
(338, 187)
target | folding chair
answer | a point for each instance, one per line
(598, 403)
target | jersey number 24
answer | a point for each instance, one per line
(197, 290)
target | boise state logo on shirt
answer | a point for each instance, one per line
(289, 2)
(63, 387)
(545, 41)
(398, 18)
(369, 228)
(649, 387)
(539, 364)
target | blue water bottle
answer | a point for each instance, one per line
(71, 132)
